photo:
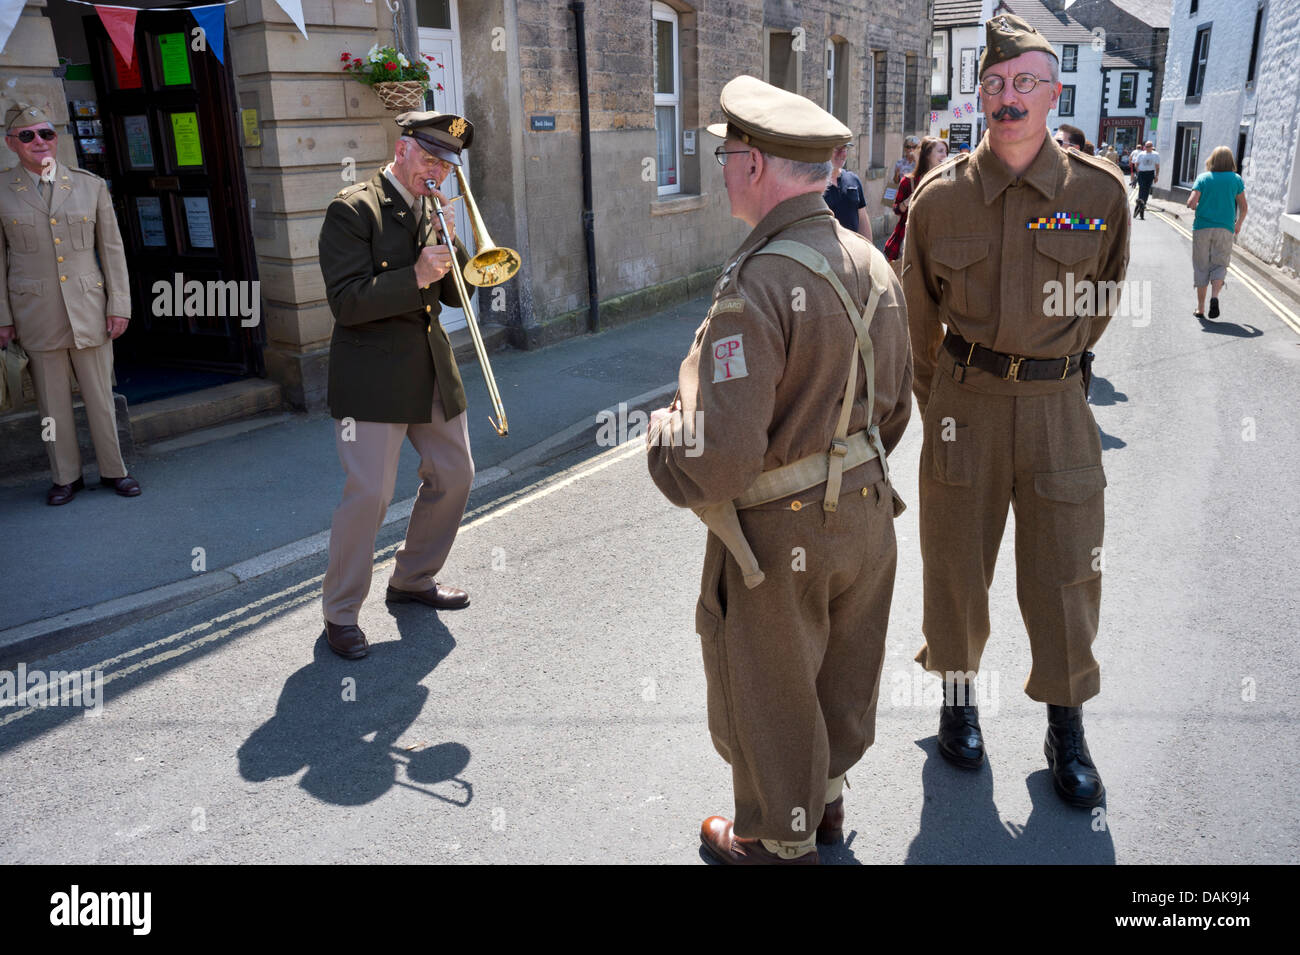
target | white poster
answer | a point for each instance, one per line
(198, 219)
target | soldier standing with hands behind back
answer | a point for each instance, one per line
(793, 393)
(1003, 394)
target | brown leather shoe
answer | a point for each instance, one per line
(126, 486)
(438, 596)
(63, 493)
(347, 640)
(729, 849)
(831, 829)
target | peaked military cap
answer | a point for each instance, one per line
(442, 135)
(778, 122)
(21, 115)
(1006, 37)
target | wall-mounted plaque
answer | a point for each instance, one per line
(198, 220)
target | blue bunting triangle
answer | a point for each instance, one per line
(213, 21)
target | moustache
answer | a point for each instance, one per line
(1010, 112)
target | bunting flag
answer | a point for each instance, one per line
(293, 9)
(10, 11)
(120, 24)
(212, 20)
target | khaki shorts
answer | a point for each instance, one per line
(1211, 253)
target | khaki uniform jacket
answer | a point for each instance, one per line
(388, 349)
(768, 367)
(971, 262)
(64, 268)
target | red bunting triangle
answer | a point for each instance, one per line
(120, 24)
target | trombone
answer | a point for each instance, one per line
(492, 265)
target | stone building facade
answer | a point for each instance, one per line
(660, 213)
(1230, 80)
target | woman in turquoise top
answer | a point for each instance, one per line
(1219, 198)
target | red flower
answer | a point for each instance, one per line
(390, 66)
(427, 56)
(345, 57)
(439, 87)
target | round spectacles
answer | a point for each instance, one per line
(993, 84)
(27, 135)
(721, 154)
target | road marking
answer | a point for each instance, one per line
(1275, 306)
(574, 474)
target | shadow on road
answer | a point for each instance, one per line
(960, 822)
(341, 719)
(1230, 329)
(1103, 393)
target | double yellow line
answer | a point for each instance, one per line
(1274, 305)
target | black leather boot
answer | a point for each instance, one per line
(1073, 772)
(960, 739)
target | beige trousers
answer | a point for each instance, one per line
(370, 462)
(793, 666)
(988, 445)
(52, 377)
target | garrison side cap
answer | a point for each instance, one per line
(1006, 37)
(441, 135)
(778, 122)
(21, 115)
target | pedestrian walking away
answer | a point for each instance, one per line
(786, 413)
(1219, 200)
(1001, 367)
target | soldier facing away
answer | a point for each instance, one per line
(793, 393)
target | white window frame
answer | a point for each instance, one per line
(661, 11)
(939, 63)
(1074, 63)
(830, 76)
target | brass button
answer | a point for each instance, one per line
(100, 284)
(60, 258)
(428, 308)
(866, 491)
(54, 222)
(63, 278)
(795, 505)
(383, 265)
(83, 218)
(57, 240)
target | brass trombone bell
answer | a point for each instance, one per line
(494, 263)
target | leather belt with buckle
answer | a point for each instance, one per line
(1010, 367)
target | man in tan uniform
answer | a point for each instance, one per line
(64, 296)
(1006, 248)
(788, 406)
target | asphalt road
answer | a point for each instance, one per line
(561, 717)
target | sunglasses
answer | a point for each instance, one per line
(27, 135)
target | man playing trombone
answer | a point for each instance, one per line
(387, 269)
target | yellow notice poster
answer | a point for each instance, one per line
(185, 132)
(175, 60)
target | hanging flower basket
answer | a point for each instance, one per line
(399, 97)
(400, 84)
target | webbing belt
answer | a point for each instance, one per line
(831, 465)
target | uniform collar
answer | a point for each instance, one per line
(1044, 173)
(398, 187)
(785, 214)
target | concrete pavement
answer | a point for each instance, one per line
(222, 506)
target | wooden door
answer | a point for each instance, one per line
(177, 179)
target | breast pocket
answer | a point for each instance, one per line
(20, 231)
(962, 264)
(81, 230)
(1065, 265)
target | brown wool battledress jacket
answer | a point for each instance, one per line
(794, 361)
(389, 349)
